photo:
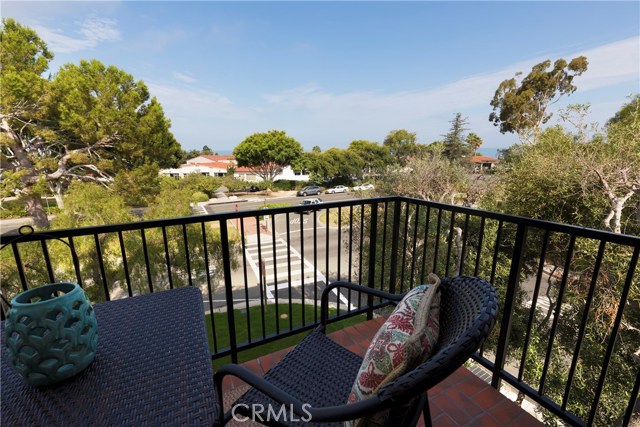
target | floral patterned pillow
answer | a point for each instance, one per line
(404, 341)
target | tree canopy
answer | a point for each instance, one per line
(523, 107)
(335, 165)
(456, 147)
(402, 144)
(267, 153)
(375, 157)
(86, 124)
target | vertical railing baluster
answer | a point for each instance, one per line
(415, 243)
(228, 287)
(289, 271)
(632, 401)
(436, 247)
(425, 244)
(404, 246)
(76, 261)
(19, 266)
(350, 254)
(509, 303)
(384, 245)
(125, 264)
(614, 333)
(360, 256)
(167, 257)
(395, 235)
(495, 253)
(209, 290)
(373, 236)
(451, 239)
(146, 259)
(47, 261)
(556, 317)
(103, 274)
(275, 271)
(534, 302)
(315, 266)
(338, 237)
(263, 280)
(246, 279)
(583, 323)
(186, 253)
(462, 254)
(304, 318)
(326, 247)
(480, 241)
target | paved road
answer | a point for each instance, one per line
(311, 269)
(257, 202)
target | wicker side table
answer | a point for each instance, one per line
(152, 368)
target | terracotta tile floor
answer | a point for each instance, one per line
(462, 399)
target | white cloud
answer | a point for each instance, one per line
(184, 77)
(197, 105)
(100, 29)
(611, 64)
(92, 31)
(318, 117)
(428, 111)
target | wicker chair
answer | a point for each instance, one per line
(320, 373)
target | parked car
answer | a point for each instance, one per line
(364, 187)
(310, 202)
(337, 189)
(310, 190)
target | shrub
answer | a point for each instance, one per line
(199, 196)
(286, 185)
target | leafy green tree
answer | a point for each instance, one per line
(90, 204)
(431, 177)
(206, 150)
(182, 272)
(375, 157)
(456, 149)
(24, 58)
(611, 166)
(152, 141)
(267, 153)
(138, 187)
(628, 112)
(108, 116)
(474, 141)
(402, 144)
(335, 165)
(523, 107)
(86, 124)
(578, 191)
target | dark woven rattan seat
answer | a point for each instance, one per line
(319, 372)
(298, 370)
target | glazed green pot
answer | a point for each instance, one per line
(51, 333)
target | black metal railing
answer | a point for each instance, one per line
(569, 295)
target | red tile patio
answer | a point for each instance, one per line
(463, 399)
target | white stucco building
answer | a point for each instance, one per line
(218, 166)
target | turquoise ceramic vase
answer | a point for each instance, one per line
(51, 333)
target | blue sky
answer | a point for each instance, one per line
(332, 72)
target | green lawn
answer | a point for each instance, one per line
(222, 333)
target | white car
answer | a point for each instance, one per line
(337, 189)
(364, 187)
(310, 202)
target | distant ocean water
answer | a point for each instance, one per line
(489, 152)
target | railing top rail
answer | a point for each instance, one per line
(623, 239)
(578, 231)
